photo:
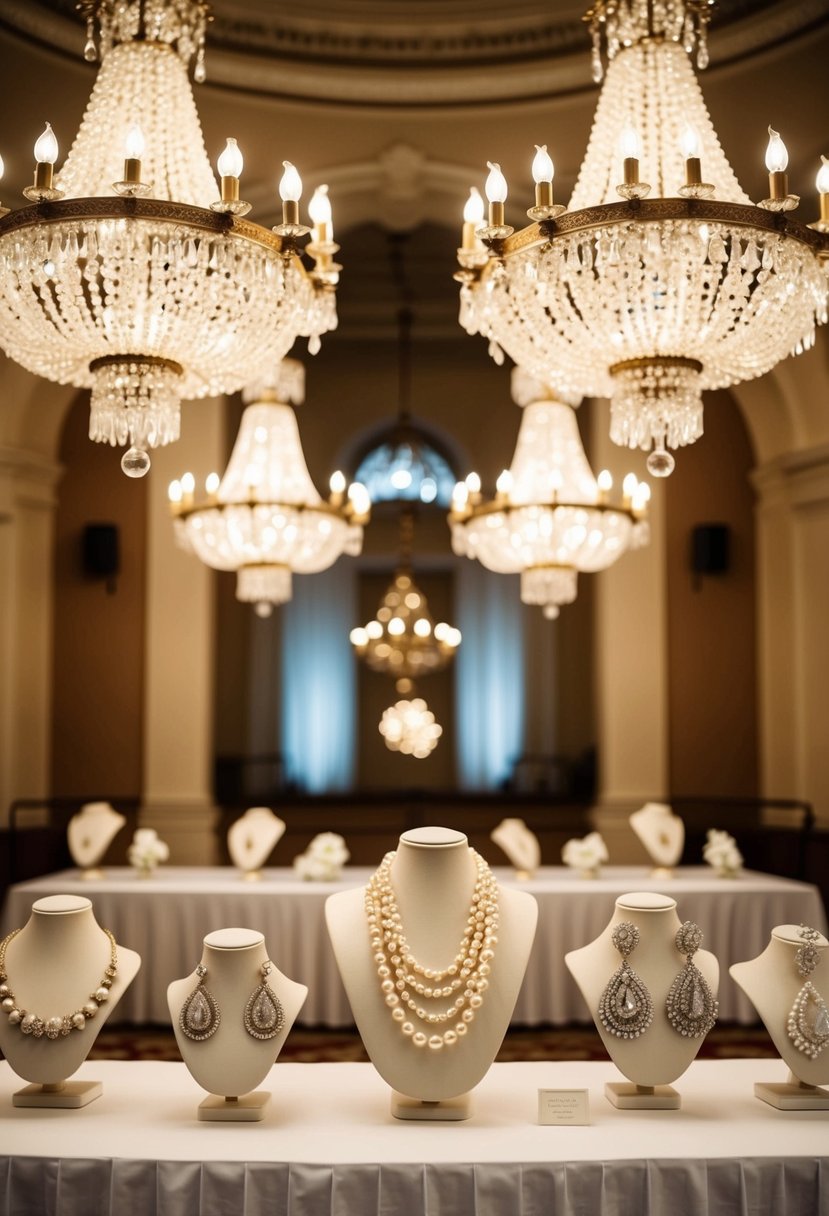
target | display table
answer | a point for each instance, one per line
(328, 1146)
(166, 917)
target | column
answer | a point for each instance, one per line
(27, 504)
(179, 671)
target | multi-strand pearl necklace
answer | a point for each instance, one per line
(59, 1025)
(408, 986)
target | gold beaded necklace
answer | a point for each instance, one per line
(407, 985)
(59, 1025)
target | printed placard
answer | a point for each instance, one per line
(565, 1107)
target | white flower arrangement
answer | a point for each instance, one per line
(147, 850)
(721, 852)
(324, 858)
(585, 855)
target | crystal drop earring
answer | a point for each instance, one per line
(690, 1005)
(200, 1016)
(625, 1008)
(264, 1016)
(808, 1022)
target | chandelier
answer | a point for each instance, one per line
(662, 279)
(264, 518)
(132, 273)
(550, 517)
(410, 727)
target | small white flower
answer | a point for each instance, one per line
(721, 853)
(146, 850)
(324, 858)
(587, 853)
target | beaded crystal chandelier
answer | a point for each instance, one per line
(410, 727)
(264, 518)
(550, 517)
(133, 273)
(662, 279)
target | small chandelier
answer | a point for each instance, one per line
(132, 273)
(410, 727)
(550, 517)
(264, 518)
(662, 279)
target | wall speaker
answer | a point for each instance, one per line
(101, 554)
(710, 548)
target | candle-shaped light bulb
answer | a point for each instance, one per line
(174, 491)
(638, 499)
(629, 485)
(496, 184)
(460, 495)
(777, 158)
(337, 482)
(319, 207)
(543, 168)
(46, 147)
(645, 491)
(230, 162)
(473, 210)
(822, 180)
(473, 483)
(689, 142)
(134, 143)
(629, 142)
(290, 186)
(504, 483)
(2, 167)
(605, 481)
(212, 483)
(188, 484)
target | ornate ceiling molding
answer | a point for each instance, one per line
(416, 52)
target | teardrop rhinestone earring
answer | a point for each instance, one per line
(690, 1004)
(625, 1008)
(264, 1016)
(808, 1021)
(200, 1016)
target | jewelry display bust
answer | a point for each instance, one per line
(434, 882)
(90, 833)
(252, 839)
(660, 1053)
(520, 845)
(663, 835)
(772, 982)
(55, 967)
(232, 1057)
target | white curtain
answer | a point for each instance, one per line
(489, 675)
(319, 687)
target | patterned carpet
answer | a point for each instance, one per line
(330, 1046)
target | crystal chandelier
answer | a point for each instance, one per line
(133, 273)
(550, 517)
(410, 727)
(264, 518)
(662, 279)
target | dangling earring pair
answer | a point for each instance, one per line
(626, 1008)
(808, 1022)
(263, 1018)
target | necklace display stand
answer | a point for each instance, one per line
(231, 1063)
(53, 963)
(663, 835)
(771, 982)
(433, 876)
(520, 845)
(90, 833)
(252, 839)
(660, 1054)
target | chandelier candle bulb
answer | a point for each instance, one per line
(604, 484)
(46, 153)
(211, 486)
(503, 486)
(3, 210)
(543, 171)
(337, 486)
(188, 489)
(134, 150)
(473, 486)
(822, 184)
(473, 217)
(629, 487)
(290, 191)
(777, 159)
(319, 210)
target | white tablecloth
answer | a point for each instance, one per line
(328, 1146)
(165, 918)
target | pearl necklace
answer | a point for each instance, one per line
(54, 1027)
(403, 979)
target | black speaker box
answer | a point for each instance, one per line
(710, 548)
(101, 557)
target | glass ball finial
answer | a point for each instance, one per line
(660, 463)
(136, 462)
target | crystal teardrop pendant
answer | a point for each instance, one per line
(625, 1008)
(200, 1016)
(808, 1022)
(690, 1005)
(264, 1016)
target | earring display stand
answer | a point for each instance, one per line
(521, 846)
(59, 955)
(663, 835)
(660, 1054)
(231, 1062)
(771, 982)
